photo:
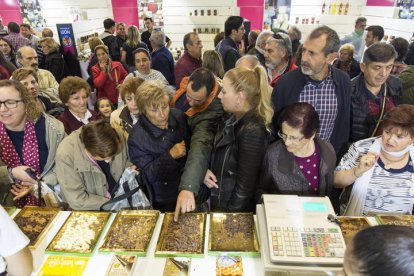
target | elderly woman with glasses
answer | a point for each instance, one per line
(300, 163)
(158, 144)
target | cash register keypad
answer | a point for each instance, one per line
(316, 242)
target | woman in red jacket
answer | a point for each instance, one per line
(107, 75)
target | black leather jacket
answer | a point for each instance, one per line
(236, 159)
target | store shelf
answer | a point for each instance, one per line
(178, 22)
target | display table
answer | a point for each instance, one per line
(98, 264)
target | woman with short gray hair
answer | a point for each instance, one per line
(162, 59)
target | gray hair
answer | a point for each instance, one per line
(158, 37)
(263, 36)
(297, 32)
(282, 42)
(332, 39)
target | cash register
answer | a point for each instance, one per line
(299, 232)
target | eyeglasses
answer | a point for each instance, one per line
(293, 139)
(9, 104)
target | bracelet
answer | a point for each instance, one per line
(354, 171)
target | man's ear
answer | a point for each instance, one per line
(331, 57)
(362, 66)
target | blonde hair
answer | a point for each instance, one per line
(130, 86)
(133, 36)
(255, 86)
(212, 60)
(50, 43)
(93, 42)
(22, 73)
(347, 47)
(151, 93)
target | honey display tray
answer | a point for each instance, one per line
(404, 220)
(131, 232)
(350, 226)
(35, 222)
(79, 234)
(184, 238)
(233, 234)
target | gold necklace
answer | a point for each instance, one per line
(387, 164)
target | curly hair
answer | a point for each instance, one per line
(22, 73)
(32, 110)
(130, 86)
(72, 85)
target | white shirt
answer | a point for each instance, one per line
(85, 120)
(12, 239)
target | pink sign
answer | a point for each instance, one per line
(10, 11)
(380, 3)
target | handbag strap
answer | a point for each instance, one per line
(127, 190)
(126, 195)
(382, 111)
(116, 77)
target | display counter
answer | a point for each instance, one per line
(150, 265)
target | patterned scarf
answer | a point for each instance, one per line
(30, 153)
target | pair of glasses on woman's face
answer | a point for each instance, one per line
(9, 104)
(293, 139)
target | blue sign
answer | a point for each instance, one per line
(67, 39)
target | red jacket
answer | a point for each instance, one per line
(290, 67)
(104, 85)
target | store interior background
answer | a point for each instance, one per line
(179, 17)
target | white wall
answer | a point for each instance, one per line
(178, 22)
(92, 15)
(342, 24)
(383, 16)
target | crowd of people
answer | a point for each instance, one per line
(214, 131)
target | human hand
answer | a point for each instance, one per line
(20, 190)
(20, 173)
(178, 150)
(367, 161)
(210, 180)
(103, 65)
(134, 169)
(185, 203)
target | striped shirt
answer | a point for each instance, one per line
(390, 190)
(321, 95)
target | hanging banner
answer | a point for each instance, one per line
(67, 39)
